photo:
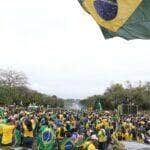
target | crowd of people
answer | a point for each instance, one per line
(58, 129)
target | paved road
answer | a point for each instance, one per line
(129, 146)
(136, 146)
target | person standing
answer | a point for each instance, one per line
(102, 139)
(27, 133)
(7, 133)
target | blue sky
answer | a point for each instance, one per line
(63, 52)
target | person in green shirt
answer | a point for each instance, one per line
(17, 135)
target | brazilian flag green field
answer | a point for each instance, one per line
(129, 19)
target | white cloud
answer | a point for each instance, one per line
(62, 50)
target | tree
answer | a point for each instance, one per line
(12, 78)
(115, 94)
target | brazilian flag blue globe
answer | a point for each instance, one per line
(129, 19)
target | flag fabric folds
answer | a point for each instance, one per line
(129, 19)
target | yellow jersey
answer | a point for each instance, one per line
(102, 136)
(89, 146)
(7, 134)
(26, 132)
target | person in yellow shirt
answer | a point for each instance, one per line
(91, 147)
(7, 133)
(59, 133)
(119, 135)
(105, 122)
(127, 136)
(27, 133)
(102, 139)
(88, 145)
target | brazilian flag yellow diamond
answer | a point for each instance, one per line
(111, 14)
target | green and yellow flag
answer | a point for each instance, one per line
(46, 138)
(129, 19)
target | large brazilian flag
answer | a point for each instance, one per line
(129, 19)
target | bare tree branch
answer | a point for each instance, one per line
(12, 78)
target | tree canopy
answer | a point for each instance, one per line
(14, 89)
(117, 93)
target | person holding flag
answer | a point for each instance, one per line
(98, 106)
(46, 137)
